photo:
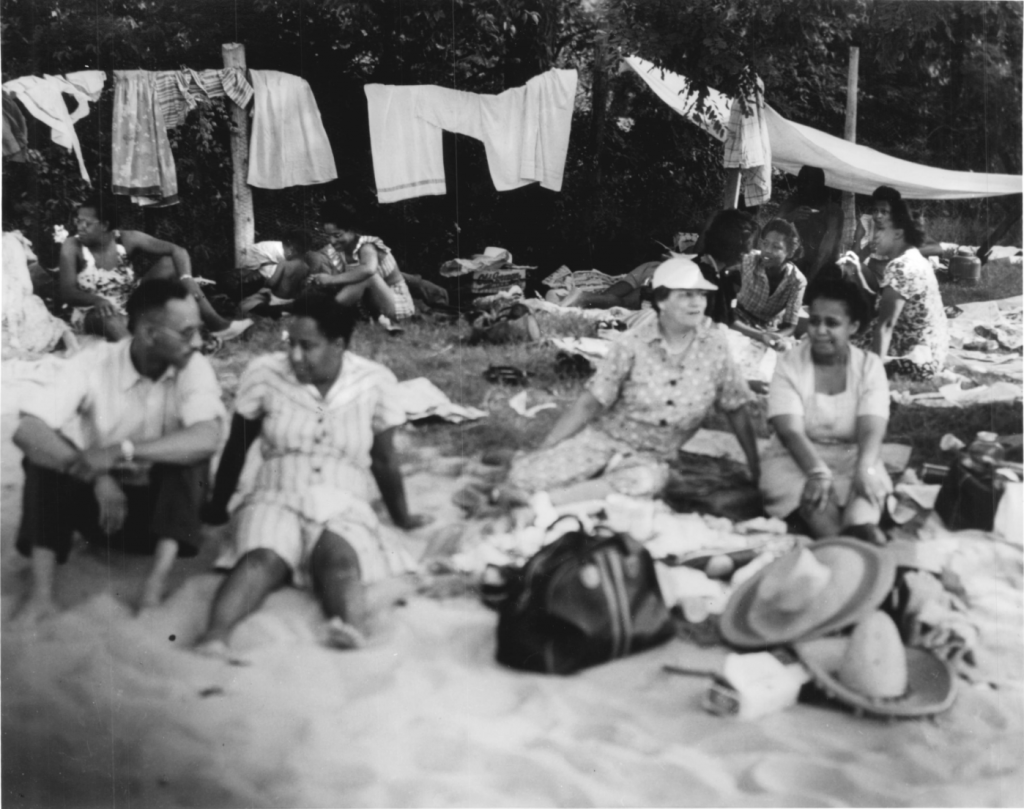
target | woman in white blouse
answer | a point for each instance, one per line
(829, 406)
(326, 419)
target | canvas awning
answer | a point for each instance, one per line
(848, 166)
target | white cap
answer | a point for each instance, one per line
(680, 273)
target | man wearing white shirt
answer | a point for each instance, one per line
(118, 448)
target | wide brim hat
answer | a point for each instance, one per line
(680, 272)
(931, 681)
(860, 578)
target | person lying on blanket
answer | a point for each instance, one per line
(284, 280)
(626, 292)
(326, 418)
(771, 287)
(647, 398)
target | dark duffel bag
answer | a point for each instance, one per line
(968, 497)
(582, 600)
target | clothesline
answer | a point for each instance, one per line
(288, 146)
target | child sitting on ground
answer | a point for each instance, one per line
(771, 287)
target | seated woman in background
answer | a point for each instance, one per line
(910, 322)
(326, 419)
(728, 238)
(771, 287)
(368, 274)
(868, 268)
(648, 397)
(829, 406)
(97, 274)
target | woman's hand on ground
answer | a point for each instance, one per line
(816, 494)
(871, 485)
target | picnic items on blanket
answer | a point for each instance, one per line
(872, 671)
(808, 593)
(931, 612)
(975, 482)
(585, 599)
(754, 685)
(712, 485)
(505, 323)
(485, 274)
(564, 281)
(505, 375)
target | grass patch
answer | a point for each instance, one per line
(442, 353)
(998, 281)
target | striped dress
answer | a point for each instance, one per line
(316, 457)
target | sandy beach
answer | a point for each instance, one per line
(102, 708)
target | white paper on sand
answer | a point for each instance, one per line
(518, 403)
(421, 399)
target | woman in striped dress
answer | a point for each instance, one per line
(326, 419)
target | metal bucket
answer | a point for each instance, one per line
(965, 269)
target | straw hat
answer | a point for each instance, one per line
(873, 672)
(808, 593)
(680, 272)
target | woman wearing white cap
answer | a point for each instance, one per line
(647, 398)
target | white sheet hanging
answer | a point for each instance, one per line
(848, 166)
(288, 146)
(525, 132)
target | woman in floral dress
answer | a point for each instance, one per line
(910, 332)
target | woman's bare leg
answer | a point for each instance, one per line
(374, 292)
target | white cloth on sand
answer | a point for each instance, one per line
(289, 145)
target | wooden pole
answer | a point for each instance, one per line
(850, 134)
(233, 54)
(731, 197)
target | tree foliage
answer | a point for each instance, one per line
(939, 84)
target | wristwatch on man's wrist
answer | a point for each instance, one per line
(127, 450)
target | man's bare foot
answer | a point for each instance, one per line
(343, 636)
(34, 611)
(152, 594)
(219, 650)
